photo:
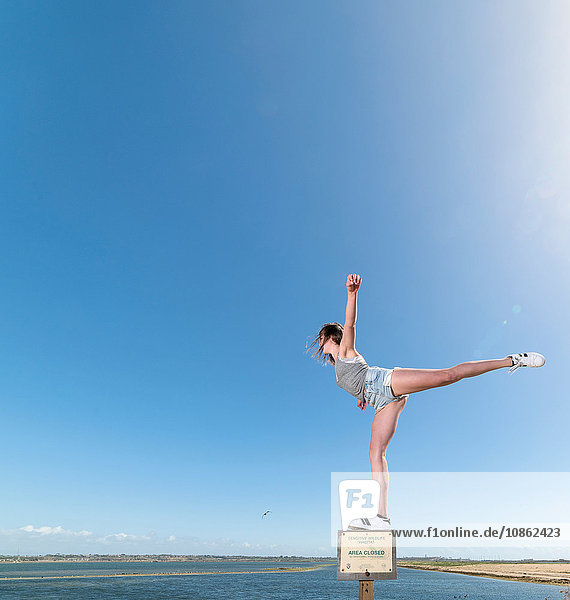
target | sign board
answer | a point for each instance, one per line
(366, 555)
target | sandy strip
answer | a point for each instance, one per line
(551, 573)
(284, 570)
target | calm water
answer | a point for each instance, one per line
(312, 585)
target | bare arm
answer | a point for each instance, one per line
(349, 337)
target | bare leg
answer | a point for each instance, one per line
(408, 381)
(383, 428)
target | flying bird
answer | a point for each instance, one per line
(265, 513)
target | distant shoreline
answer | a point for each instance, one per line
(546, 573)
(149, 558)
(168, 574)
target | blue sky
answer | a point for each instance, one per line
(185, 187)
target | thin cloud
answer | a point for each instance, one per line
(124, 537)
(58, 530)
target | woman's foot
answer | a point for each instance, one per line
(376, 523)
(526, 359)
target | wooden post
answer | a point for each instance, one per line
(366, 589)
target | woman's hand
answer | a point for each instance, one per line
(353, 282)
(361, 404)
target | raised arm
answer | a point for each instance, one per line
(353, 282)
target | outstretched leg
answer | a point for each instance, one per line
(408, 381)
(383, 428)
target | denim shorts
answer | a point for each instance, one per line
(377, 387)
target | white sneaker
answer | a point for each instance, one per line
(527, 359)
(376, 523)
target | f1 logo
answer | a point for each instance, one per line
(359, 498)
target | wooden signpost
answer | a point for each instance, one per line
(366, 556)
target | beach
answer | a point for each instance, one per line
(556, 573)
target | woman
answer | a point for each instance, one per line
(387, 390)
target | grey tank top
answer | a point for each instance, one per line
(351, 375)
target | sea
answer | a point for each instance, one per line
(212, 581)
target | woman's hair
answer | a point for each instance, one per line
(328, 331)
